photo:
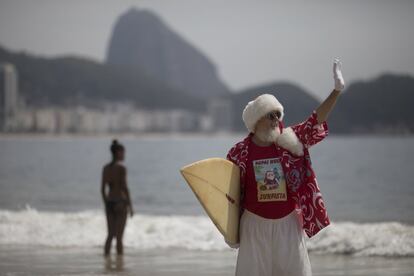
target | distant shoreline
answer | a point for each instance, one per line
(122, 135)
(157, 135)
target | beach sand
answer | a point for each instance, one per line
(21, 260)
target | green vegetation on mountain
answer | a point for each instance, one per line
(72, 80)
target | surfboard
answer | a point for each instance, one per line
(216, 184)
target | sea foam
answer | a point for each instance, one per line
(88, 229)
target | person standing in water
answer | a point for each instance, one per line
(117, 201)
(276, 216)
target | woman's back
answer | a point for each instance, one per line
(117, 200)
(114, 175)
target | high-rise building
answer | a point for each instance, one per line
(220, 111)
(8, 96)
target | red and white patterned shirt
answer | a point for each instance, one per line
(300, 178)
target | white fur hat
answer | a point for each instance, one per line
(258, 108)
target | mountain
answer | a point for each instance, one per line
(72, 80)
(381, 105)
(141, 41)
(298, 104)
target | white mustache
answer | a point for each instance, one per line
(268, 136)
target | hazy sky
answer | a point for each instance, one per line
(250, 42)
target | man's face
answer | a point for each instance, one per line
(268, 122)
(267, 128)
(264, 124)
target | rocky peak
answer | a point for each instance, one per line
(142, 41)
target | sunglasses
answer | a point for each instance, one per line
(272, 116)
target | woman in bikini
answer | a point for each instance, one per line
(117, 201)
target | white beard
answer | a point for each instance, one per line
(287, 140)
(268, 136)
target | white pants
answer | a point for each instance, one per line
(272, 247)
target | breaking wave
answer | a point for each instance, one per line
(88, 229)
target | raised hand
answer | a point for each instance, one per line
(339, 80)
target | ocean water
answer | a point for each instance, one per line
(50, 193)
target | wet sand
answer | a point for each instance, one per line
(21, 260)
